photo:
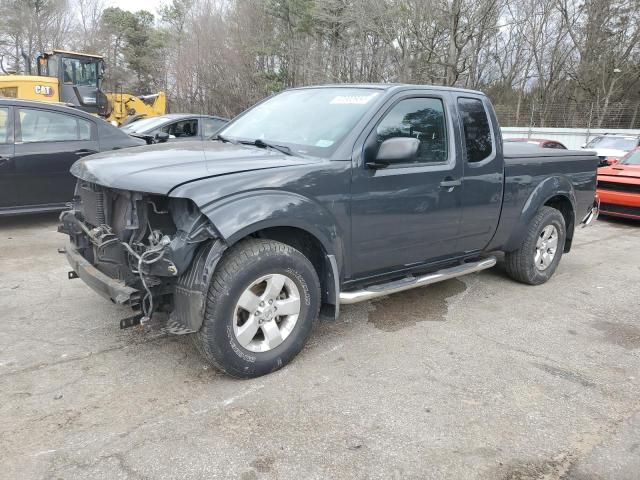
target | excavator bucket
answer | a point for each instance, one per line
(125, 107)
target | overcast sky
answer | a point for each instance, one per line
(134, 5)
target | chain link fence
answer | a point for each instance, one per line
(613, 116)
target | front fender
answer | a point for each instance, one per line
(550, 187)
(240, 215)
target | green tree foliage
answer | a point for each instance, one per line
(138, 49)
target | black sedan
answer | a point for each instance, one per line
(38, 144)
(175, 127)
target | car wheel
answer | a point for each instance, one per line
(262, 304)
(539, 255)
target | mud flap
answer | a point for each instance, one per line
(189, 300)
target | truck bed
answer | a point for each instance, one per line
(527, 167)
(515, 151)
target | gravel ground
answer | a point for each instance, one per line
(479, 377)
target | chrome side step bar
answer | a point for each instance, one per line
(375, 291)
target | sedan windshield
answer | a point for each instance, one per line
(310, 121)
(617, 143)
(144, 125)
(632, 158)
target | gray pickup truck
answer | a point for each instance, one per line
(314, 198)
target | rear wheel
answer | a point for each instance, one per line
(261, 307)
(539, 255)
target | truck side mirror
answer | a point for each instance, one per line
(395, 150)
(162, 137)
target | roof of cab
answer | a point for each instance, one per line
(394, 87)
(68, 52)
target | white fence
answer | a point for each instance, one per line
(572, 138)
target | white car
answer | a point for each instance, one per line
(611, 148)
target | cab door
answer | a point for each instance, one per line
(8, 192)
(409, 213)
(483, 181)
(48, 142)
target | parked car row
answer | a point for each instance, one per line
(40, 141)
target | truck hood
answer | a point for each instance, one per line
(160, 168)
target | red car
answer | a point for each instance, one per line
(619, 187)
(540, 142)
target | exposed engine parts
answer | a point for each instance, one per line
(154, 253)
(143, 240)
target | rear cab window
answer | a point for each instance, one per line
(478, 138)
(4, 125)
(47, 126)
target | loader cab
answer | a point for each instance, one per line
(79, 78)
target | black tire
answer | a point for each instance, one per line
(520, 264)
(243, 264)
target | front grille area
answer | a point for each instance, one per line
(622, 209)
(92, 202)
(619, 187)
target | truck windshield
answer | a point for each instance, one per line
(309, 121)
(632, 158)
(617, 143)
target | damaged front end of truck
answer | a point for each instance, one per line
(151, 252)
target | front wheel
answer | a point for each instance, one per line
(262, 304)
(539, 255)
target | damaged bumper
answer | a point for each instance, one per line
(108, 287)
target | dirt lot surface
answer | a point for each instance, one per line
(473, 378)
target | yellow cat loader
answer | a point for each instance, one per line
(75, 79)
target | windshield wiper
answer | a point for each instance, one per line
(262, 144)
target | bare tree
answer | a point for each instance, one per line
(537, 57)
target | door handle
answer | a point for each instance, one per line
(450, 183)
(83, 152)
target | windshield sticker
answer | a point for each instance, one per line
(324, 143)
(352, 99)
